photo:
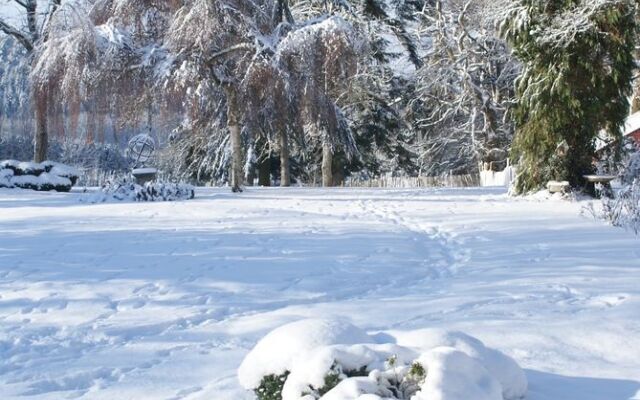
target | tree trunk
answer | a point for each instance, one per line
(327, 160)
(264, 172)
(251, 175)
(235, 139)
(285, 172)
(250, 166)
(338, 172)
(42, 137)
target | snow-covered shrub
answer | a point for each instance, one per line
(44, 176)
(43, 182)
(631, 170)
(28, 168)
(333, 360)
(61, 170)
(126, 189)
(623, 210)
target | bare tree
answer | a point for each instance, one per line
(466, 86)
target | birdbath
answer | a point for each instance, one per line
(602, 183)
(140, 150)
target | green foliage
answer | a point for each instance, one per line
(331, 380)
(417, 372)
(336, 375)
(578, 67)
(271, 387)
(392, 361)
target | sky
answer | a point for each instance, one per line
(11, 12)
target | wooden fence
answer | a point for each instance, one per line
(416, 182)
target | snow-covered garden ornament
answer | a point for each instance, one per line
(140, 150)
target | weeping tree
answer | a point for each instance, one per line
(100, 62)
(239, 69)
(319, 59)
(578, 64)
(279, 76)
(31, 33)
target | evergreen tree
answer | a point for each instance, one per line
(576, 81)
(381, 94)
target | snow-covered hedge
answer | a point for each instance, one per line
(333, 360)
(126, 189)
(44, 176)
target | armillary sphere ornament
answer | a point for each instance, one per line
(140, 149)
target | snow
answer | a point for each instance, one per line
(498, 178)
(29, 167)
(331, 28)
(5, 178)
(165, 300)
(453, 375)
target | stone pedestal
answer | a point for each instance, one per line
(144, 175)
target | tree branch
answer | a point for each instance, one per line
(21, 3)
(20, 36)
(228, 50)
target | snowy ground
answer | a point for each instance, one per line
(162, 301)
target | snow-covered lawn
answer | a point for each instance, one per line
(164, 300)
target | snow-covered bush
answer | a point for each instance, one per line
(44, 176)
(631, 170)
(62, 170)
(333, 360)
(126, 189)
(624, 209)
(43, 182)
